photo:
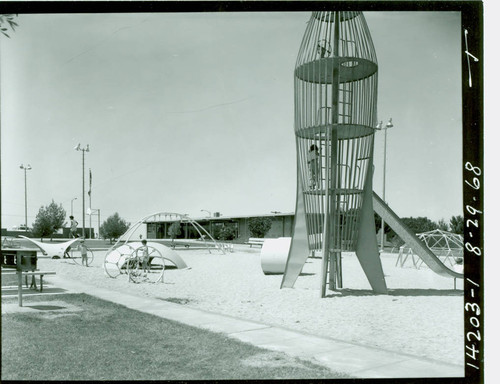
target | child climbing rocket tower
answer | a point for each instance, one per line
(335, 116)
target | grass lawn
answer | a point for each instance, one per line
(91, 339)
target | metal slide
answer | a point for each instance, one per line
(417, 245)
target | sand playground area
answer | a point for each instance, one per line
(422, 315)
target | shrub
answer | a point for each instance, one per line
(225, 233)
(259, 226)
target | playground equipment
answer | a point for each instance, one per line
(125, 256)
(9, 242)
(273, 255)
(335, 117)
(76, 256)
(447, 246)
(412, 240)
(138, 268)
(51, 249)
(335, 82)
(127, 259)
(440, 250)
(181, 218)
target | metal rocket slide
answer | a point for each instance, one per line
(417, 245)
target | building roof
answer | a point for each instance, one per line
(222, 217)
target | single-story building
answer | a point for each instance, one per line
(281, 226)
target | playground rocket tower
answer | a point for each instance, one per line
(335, 116)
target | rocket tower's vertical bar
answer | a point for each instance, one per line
(335, 115)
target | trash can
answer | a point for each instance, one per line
(26, 260)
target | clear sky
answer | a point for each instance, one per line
(190, 112)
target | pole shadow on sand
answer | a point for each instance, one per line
(397, 292)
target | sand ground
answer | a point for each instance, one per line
(422, 315)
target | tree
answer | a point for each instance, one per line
(174, 230)
(415, 225)
(113, 227)
(457, 224)
(443, 225)
(419, 224)
(49, 220)
(259, 226)
(7, 19)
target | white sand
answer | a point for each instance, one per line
(422, 316)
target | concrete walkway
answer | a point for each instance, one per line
(353, 359)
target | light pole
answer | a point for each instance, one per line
(209, 213)
(79, 148)
(74, 198)
(26, 168)
(90, 202)
(380, 127)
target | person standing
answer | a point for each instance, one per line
(146, 262)
(72, 227)
(83, 250)
(313, 158)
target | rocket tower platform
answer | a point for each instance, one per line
(335, 83)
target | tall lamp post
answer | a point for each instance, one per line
(381, 127)
(25, 168)
(74, 198)
(209, 213)
(87, 149)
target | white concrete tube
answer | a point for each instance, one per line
(274, 254)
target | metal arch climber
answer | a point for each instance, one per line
(123, 256)
(125, 238)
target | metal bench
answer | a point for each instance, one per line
(255, 241)
(33, 280)
(30, 273)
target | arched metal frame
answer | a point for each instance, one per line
(125, 238)
(335, 83)
(125, 248)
